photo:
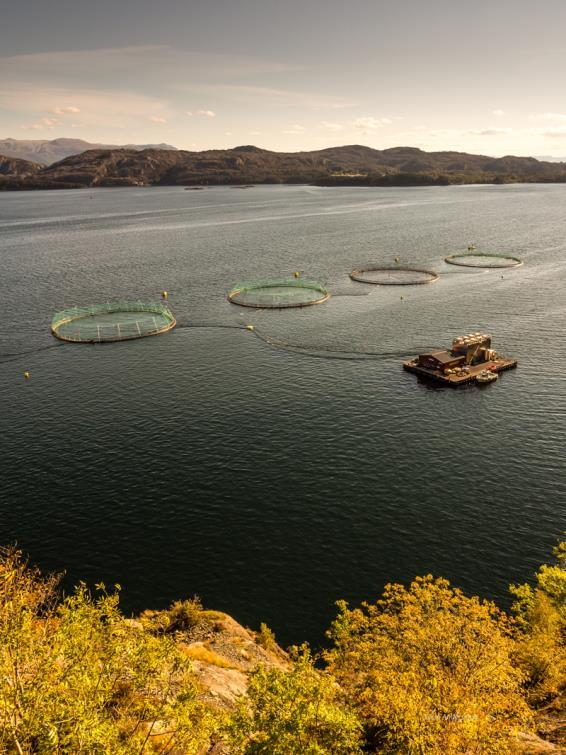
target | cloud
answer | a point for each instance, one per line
(548, 117)
(498, 113)
(333, 126)
(264, 96)
(205, 113)
(368, 124)
(296, 129)
(120, 87)
(42, 124)
(553, 132)
(492, 131)
(337, 105)
(152, 63)
(100, 108)
(64, 110)
(157, 119)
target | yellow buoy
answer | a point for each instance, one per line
(401, 297)
(397, 259)
(26, 375)
(296, 274)
(249, 327)
(164, 295)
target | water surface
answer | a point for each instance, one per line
(274, 472)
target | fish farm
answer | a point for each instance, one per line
(113, 321)
(278, 293)
(393, 276)
(484, 259)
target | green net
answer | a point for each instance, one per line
(113, 321)
(484, 259)
(393, 276)
(278, 293)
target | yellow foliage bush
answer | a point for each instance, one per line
(541, 640)
(429, 671)
(76, 677)
(423, 671)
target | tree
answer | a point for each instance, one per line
(429, 670)
(541, 619)
(291, 712)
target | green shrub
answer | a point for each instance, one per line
(182, 616)
(291, 712)
(265, 638)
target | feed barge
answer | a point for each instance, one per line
(470, 360)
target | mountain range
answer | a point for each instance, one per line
(352, 165)
(47, 151)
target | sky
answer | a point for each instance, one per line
(485, 76)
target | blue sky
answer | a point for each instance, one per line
(288, 75)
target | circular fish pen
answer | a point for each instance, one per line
(484, 259)
(278, 293)
(393, 276)
(114, 321)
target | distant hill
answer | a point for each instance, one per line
(51, 151)
(12, 166)
(352, 165)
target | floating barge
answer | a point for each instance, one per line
(469, 356)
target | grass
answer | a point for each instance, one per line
(204, 654)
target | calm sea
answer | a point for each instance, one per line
(274, 475)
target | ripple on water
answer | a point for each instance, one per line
(272, 483)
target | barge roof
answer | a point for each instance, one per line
(442, 356)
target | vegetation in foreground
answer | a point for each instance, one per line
(423, 670)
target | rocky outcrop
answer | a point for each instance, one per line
(14, 168)
(222, 652)
(531, 744)
(550, 725)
